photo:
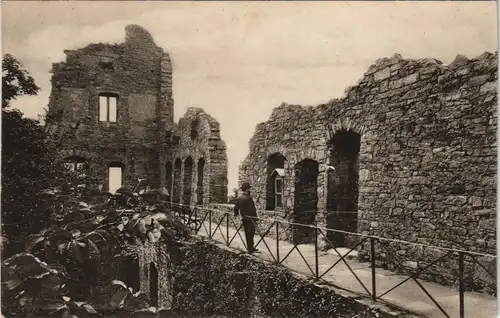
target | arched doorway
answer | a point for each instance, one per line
(200, 183)
(168, 177)
(188, 178)
(176, 190)
(153, 284)
(306, 200)
(342, 199)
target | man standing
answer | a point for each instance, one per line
(246, 207)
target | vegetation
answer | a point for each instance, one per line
(61, 271)
(15, 80)
(29, 165)
(232, 198)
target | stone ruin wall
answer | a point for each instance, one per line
(427, 160)
(199, 155)
(144, 139)
(140, 74)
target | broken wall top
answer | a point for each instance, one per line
(407, 71)
(137, 41)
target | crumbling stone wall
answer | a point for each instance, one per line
(427, 157)
(212, 280)
(137, 72)
(199, 144)
(157, 254)
(144, 140)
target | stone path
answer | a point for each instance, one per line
(408, 296)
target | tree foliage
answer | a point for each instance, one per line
(15, 80)
(85, 239)
(232, 198)
(29, 164)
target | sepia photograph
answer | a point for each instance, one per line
(249, 159)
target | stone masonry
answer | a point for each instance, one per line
(409, 153)
(143, 140)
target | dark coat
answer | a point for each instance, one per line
(245, 206)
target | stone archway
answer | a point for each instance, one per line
(176, 188)
(187, 181)
(168, 176)
(343, 188)
(200, 182)
(153, 284)
(306, 200)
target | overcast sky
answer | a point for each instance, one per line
(238, 60)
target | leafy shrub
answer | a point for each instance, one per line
(84, 239)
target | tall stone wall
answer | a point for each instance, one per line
(139, 74)
(198, 141)
(427, 156)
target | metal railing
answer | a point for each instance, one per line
(198, 218)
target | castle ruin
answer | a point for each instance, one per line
(111, 110)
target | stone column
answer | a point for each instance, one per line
(322, 204)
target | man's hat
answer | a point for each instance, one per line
(245, 186)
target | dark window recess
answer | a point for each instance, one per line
(176, 140)
(194, 128)
(106, 65)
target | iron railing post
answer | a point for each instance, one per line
(210, 223)
(316, 252)
(374, 284)
(461, 283)
(227, 228)
(277, 242)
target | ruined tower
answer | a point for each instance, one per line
(111, 110)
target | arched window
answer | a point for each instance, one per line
(194, 128)
(176, 190)
(168, 175)
(108, 110)
(188, 178)
(76, 164)
(200, 185)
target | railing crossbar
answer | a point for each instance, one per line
(220, 229)
(305, 261)
(341, 257)
(263, 235)
(414, 275)
(237, 233)
(482, 266)
(431, 298)
(289, 252)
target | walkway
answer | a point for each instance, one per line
(408, 296)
